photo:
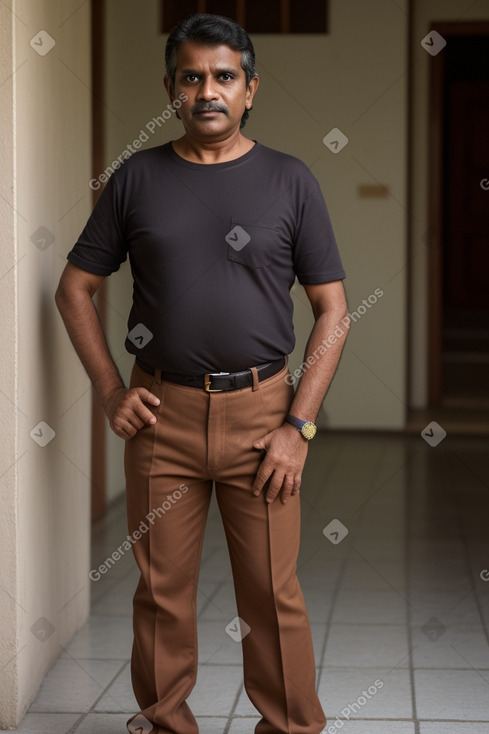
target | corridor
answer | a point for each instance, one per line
(394, 566)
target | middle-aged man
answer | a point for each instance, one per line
(217, 227)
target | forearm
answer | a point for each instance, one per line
(83, 325)
(322, 354)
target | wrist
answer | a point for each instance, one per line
(290, 429)
(306, 428)
(106, 393)
(295, 441)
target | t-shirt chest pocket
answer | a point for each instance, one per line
(251, 243)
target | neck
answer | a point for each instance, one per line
(216, 151)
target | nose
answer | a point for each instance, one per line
(207, 89)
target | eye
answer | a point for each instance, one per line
(226, 76)
(191, 77)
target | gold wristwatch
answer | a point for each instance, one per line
(307, 429)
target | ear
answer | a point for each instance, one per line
(169, 88)
(251, 91)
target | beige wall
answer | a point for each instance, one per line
(45, 517)
(426, 12)
(10, 612)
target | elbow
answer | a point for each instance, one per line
(59, 297)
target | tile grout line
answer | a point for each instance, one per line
(229, 721)
(209, 599)
(82, 718)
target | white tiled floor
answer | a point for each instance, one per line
(398, 605)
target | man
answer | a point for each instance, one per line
(217, 227)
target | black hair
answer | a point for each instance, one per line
(211, 30)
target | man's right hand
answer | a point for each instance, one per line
(126, 410)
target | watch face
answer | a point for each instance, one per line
(309, 430)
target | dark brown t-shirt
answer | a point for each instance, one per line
(214, 251)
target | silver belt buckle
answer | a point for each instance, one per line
(207, 381)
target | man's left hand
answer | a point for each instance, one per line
(286, 452)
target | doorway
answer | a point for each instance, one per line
(459, 220)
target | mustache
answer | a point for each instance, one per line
(209, 107)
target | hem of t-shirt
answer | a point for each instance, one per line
(93, 268)
(169, 150)
(315, 278)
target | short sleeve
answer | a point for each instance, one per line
(316, 255)
(101, 247)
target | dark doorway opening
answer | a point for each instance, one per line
(465, 234)
(459, 220)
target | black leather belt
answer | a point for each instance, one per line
(220, 381)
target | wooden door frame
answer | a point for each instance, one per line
(98, 422)
(435, 202)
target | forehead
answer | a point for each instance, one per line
(196, 56)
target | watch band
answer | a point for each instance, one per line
(307, 429)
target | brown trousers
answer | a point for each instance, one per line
(199, 439)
